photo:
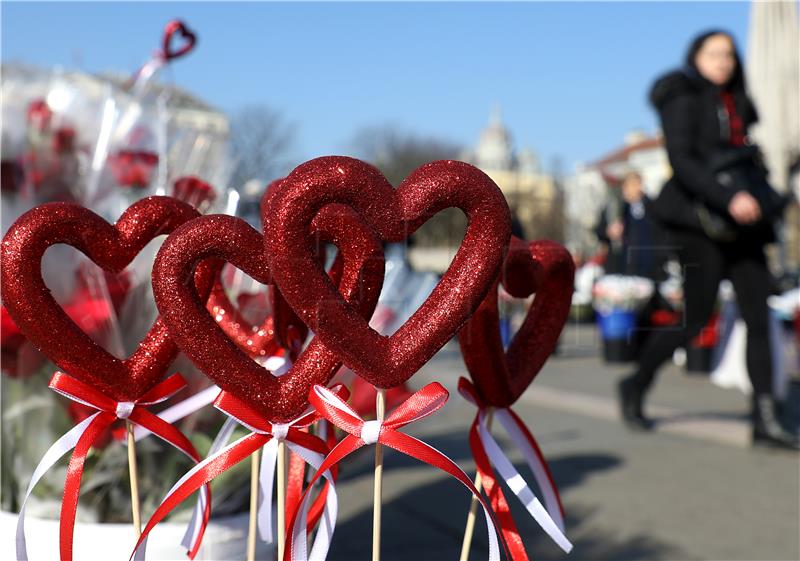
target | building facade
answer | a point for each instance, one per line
(588, 190)
(533, 195)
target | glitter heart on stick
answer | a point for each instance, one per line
(501, 376)
(41, 319)
(279, 399)
(281, 329)
(395, 215)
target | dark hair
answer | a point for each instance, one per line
(737, 80)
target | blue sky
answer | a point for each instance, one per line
(571, 78)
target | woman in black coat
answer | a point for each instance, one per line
(705, 112)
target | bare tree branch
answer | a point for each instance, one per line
(260, 141)
(397, 153)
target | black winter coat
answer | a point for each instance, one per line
(695, 126)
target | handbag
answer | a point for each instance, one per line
(741, 168)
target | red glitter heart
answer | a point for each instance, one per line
(45, 323)
(394, 215)
(189, 39)
(283, 398)
(281, 329)
(541, 267)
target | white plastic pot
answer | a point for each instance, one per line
(225, 539)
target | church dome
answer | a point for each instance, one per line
(494, 151)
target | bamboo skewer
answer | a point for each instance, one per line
(134, 477)
(380, 411)
(281, 483)
(251, 530)
(473, 506)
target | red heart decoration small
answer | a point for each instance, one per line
(283, 398)
(133, 168)
(46, 324)
(280, 330)
(394, 215)
(189, 39)
(541, 267)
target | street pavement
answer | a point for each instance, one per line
(692, 489)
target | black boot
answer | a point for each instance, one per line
(767, 428)
(630, 401)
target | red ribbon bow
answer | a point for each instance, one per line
(484, 466)
(211, 467)
(421, 404)
(109, 411)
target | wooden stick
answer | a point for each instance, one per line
(473, 506)
(255, 458)
(281, 483)
(134, 476)
(380, 411)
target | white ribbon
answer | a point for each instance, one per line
(222, 438)
(327, 524)
(53, 454)
(181, 410)
(147, 71)
(549, 519)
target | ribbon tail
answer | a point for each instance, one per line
(220, 441)
(496, 497)
(72, 485)
(327, 433)
(199, 475)
(527, 444)
(295, 480)
(181, 410)
(146, 74)
(424, 452)
(266, 484)
(60, 447)
(172, 436)
(520, 488)
(297, 544)
(327, 525)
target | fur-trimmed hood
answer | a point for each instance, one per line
(673, 84)
(688, 81)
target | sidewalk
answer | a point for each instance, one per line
(693, 489)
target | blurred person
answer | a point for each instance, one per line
(717, 226)
(627, 228)
(634, 247)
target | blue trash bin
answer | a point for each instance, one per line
(615, 328)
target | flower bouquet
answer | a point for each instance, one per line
(617, 300)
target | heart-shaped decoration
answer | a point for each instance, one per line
(281, 329)
(45, 323)
(394, 215)
(173, 28)
(283, 398)
(541, 267)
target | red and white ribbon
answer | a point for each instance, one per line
(489, 455)
(278, 365)
(362, 433)
(81, 438)
(176, 413)
(182, 409)
(309, 447)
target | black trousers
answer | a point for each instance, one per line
(705, 263)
